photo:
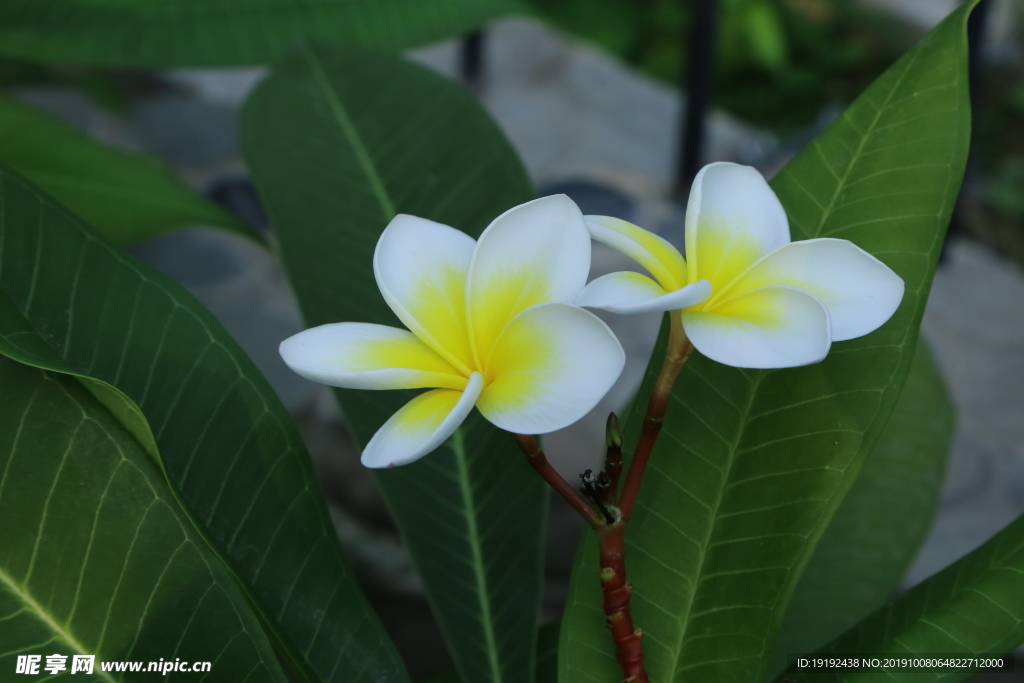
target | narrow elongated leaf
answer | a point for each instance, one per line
(868, 547)
(547, 658)
(752, 465)
(98, 556)
(128, 197)
(973, 607)
(223, 32)
(72, 302)
(339, 141)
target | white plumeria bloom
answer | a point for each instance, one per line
(747, 295)
(490, 323)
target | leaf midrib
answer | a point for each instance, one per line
(457, 443)
(825, 213)
(734, 448)
(458, 447)
(300, 664)
(8, 581)
(351, 134)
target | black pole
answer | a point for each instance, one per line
(698, 84)
(975, 35)
(975, 38)
(472, 59)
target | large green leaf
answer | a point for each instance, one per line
(338, 142)
(855, 567)
(72, 302)
(128, 197)
(98, 556)
(752, 465)
(152, 33)
(974, 606)
(547, 657)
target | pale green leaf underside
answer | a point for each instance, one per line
(98, 557)
(339, 141)
(752, 465)
(224, 32)
(128, 197)
(72, 302)
(870, 543)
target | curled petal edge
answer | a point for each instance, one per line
(625, 293)
(397, 444)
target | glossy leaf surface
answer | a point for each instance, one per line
(547, 657)
(973, 607)
(72, 302)
(133, 33)
(128, 197)
(866, 550)
(98, 556)
(752, 465)
(339, 141)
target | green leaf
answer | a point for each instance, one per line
(136, 33)
(765, 33)
(339, 141)
(128, 197)
(547, 657)
(547, 652)
(974, 606)
(72, 302)
(99, 558)
(752, 465)
(863, 555)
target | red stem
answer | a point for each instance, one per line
(617, 591)
(535, 456)
(679, 349)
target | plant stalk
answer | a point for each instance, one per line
(679, 349)
(617, 591)
(612, 533)
(538, 461)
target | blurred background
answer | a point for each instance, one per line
(617, 103)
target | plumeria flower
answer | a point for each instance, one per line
(490, 323)
(747, 296)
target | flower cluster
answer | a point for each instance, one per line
(490, 323)
(499, 323)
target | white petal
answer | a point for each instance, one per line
(635, 293)
(732, 219)
(860, 291)
(421, 268)
(366, 356)
(771, 327)
(536, 253)
(421, 425)
(660, 258)
(549, 367)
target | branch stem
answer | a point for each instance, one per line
(538, 461)
(679, 349)
(617, 591)
(611, 532)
